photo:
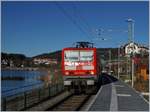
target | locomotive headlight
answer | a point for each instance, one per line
(92, 72)
(67, 73)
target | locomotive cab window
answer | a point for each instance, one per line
(71, 56)
(86, 55)
(78, 56)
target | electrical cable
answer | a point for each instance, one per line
(71, 19)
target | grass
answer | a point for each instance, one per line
(53, 75)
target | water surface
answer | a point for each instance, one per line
(11, 87)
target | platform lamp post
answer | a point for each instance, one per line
(119, 58)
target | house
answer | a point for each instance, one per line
(46, 61)
(135, 48)
(4, 62)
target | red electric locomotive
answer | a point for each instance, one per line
(81, 67)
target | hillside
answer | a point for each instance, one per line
(17, 60)
(53, 55)
(103, 52)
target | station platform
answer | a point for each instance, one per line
(116, 95)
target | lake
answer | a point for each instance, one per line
(11, 87)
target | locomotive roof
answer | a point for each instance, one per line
(74, 48)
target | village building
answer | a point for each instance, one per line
(123, 63)
(46, 61)
(134, 48)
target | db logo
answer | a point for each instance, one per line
(78, 63)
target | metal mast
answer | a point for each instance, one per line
(131, 40)
(130, 30)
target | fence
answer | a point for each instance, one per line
(27, 99)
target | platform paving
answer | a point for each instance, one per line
(118, 96)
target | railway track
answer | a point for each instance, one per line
(71, 103)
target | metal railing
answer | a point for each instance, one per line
(27, 99)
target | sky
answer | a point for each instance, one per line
(33, 28)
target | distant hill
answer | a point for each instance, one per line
(53, 55)
(103, 52)
(19, 59)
